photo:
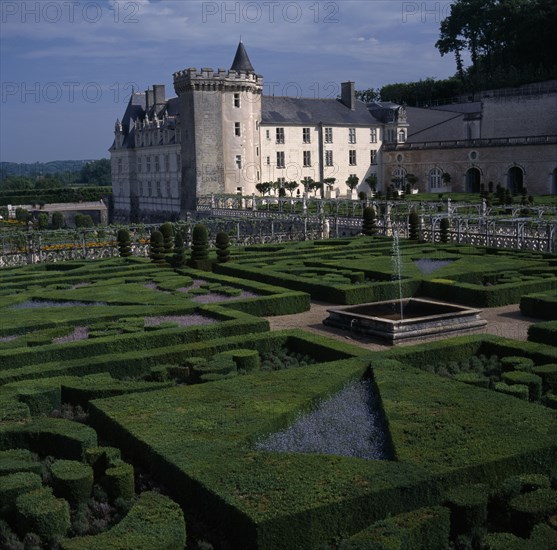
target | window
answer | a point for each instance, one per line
(328, 158)
(280, 159)
(157, 164)
(352, 157)
(280, 135)
(238, 161)
(140, 189)
(237, 129)
(306, 137)
(373, 156)
(168, 189)
(148, 163)
(139, 163)
(268, 134)
(257, 151)
(391, 135)
(166, 163)
(373, 135)
(237, 100)
(399, 178)
(149, 189)
(435, 177)
(307, 158)
(351, 135)
(159, 193)
(119, 166)
(401, 136)
(328, 135)
(281, 182)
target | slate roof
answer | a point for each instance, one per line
(241, 60)
(292, 110)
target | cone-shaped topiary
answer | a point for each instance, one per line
(223, 247)
(444, 230)
(414, 226)
(156, 252)
(168, 235)
(369, 226)
(179, 258)
(200, 246)
(124, 243)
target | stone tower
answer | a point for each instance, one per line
(220, 113)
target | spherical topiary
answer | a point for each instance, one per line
(72, 480)
(200, 246)
(444, 230)
(156, 252)
(223, 247)
(414, 226)
(369, 226)
(168, 235)
(124, 243)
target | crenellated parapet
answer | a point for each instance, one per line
(219, 80)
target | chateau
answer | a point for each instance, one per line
(222, 135)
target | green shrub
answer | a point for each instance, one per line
(119, 481)
(517, 363)
(179, 258)
(503, 541)
(101, 458)
(369, 223)
(40, 512)
(550, 400)
(223, 247)
(444, 226)
(124, 243)
(154, 523)
(533, 382)
(14, 484)
(543, 537)
(516, 390)
(156, 247)
(13, 410)
(245, 359)
(421, 529)
(472, 378)
(548, 374)
(167, 231)
(200, 243)
(72, 480)
(40, 400)
(468, 506)
(18, 460)
(413, 226)
(531, 508)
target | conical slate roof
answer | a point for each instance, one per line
(241, 60)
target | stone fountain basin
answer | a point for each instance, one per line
(420, 318)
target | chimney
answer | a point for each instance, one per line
(149, 99)
(159, 96)
(348, 95)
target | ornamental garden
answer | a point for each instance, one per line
(145, 403)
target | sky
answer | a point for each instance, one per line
(68, 67)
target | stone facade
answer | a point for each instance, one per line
(221, 135)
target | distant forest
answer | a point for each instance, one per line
(510, 43)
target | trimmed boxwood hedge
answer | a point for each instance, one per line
(533, 382)
(531, 508)
(40, 512)
(468, 506)
(548, 373)
(119, 481)
(541, 305)
(422, 529)
(72, 480)
(154, 522)
(544, 332)
(18, 460)
(14, 484)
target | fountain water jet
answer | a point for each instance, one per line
(397, 267)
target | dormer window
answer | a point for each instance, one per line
(401, 136)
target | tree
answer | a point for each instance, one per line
(371, 181)
(291, 186)
(167, 231)
(124, 243)
(83, 220)
(352, 182)
(444, 230)
(179, 257)
(369, 224)
(414, 226)
(57, 221)
(223, 247)
(22, 215)
(368, 96)
(156, 247)
(96, 172)
(42, 220)
(308, 184)
(264, 187)
(200, 243)
(329, 183)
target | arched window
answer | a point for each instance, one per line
(515, 180)
(473, 178)
(401, 136)
(435, 178)
(399, 178)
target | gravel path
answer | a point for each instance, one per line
(506, 321)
